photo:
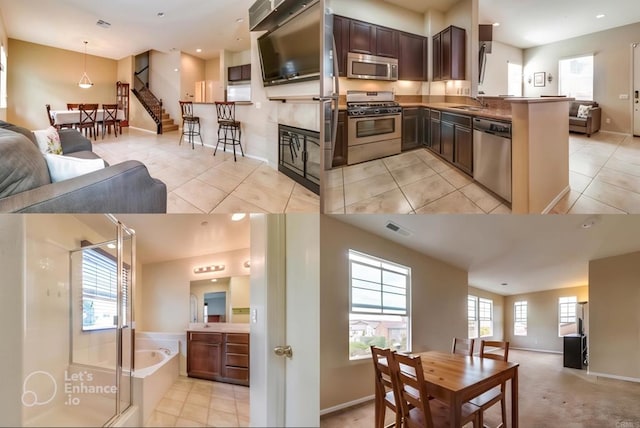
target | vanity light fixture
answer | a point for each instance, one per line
(238, 216)
(85, 82)
(207, 269)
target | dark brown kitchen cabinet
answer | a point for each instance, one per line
(223, 357)
(434, 128)
(370, 39)
(411, 128)
(204, 352)
(449, 54)
(412, 57)
(463, 144)
(341, 37)
(446, 140)
(341, 148)
(425, 117)
(239, 73)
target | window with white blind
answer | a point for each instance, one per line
(379, 305)
(100, 290)
(520, 318)
(480, 317)
(576, 77)
(567, 322)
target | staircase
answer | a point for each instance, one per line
(167, 122)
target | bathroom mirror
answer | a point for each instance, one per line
(227, 299)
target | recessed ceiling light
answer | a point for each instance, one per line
(198, 50)
(161, 14)
(214, 280)
(238, 216)
(600, 16)
(496, 24)
(112, 246)
(176, 70)
(239, 20)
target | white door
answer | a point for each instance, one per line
(636, 89)
(285, 311)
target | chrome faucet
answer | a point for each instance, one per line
(165, 350)
(479, 101)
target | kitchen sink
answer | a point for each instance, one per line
(469, 108)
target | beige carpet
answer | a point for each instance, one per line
(550, 396)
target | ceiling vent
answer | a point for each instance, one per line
(397, 228)
(103, 24)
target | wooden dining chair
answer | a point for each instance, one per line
(495, 350)
(110, 118)
(462, 346)
(88, 113)
(71, 106)
(418, 410)
(386, 394)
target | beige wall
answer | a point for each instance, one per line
(498, 314)
(40, 75)
(614, 299)
(212, 69)
(192, 70)
(496, 75)
(381, 13)
(438, 307)
(542, 319)
(138, 116)
(239, 288)
(166, 285)
(164, 80)
(612, 70)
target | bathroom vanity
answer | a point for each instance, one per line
(218, 353)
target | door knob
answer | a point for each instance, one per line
(283, 351)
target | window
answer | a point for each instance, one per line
(480, 317)
(576, 77)
(379, 305)
(99, 290)
(567, 323)
(3, 77)
(520, 318)
(514, 79)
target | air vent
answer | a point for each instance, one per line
(103, 24)
(397, 228)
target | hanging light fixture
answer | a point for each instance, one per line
(85, 82)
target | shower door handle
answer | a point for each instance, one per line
(283, 351)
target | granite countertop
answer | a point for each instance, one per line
(449, 107)
(219, 327)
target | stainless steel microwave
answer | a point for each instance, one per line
(360, 66)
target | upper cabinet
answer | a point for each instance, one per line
(449, 54)
(361, 37)
(239, 73)
(412, 58)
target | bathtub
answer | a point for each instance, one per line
(155, 371)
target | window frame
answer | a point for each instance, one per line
(360, 258)
(571, 93)
(523, 305)
(569, 304)
(477, 318)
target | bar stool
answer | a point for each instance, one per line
(228, 127)
(189, 123)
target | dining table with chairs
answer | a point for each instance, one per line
(69, 117)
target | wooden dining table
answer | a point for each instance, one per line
(456, 379)
(67, 117)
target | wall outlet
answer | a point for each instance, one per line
(607, 120)
(623, 96)
(258, 105)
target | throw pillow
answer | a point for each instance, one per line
(583, 111)
(49, 140)
(66, 167)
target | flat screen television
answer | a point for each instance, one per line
(291, 52)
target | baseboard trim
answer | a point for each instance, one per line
(346, 405)
(142, 129)
(556, 200)
(616, 377)
(544, 351)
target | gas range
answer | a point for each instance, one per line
(371, 103)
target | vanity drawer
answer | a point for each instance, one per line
(237, 360)
(237, 338)
(235, 348)
(205, 337)
(237, 373)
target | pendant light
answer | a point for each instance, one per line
(85, 82)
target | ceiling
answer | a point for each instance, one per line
(528, 23)
(529, 253)
(212, 25)
(162, 238)
(135, 26)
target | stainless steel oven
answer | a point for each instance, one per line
(373, 137)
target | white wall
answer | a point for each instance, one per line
(496, 74)
(164, 80)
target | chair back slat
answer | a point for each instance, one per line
(110, 112)
(412, 387)
(499, 350)
(226, 111)
(187, 109)
(462, 346)
(88, 113)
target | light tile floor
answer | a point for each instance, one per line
(198, 182)
(201, 403)
(604, 175)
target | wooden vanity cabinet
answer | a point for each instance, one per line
(223, 357)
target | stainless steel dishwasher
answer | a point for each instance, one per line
(492, 156)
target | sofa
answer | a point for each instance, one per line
(26, 186)
(588, 125)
